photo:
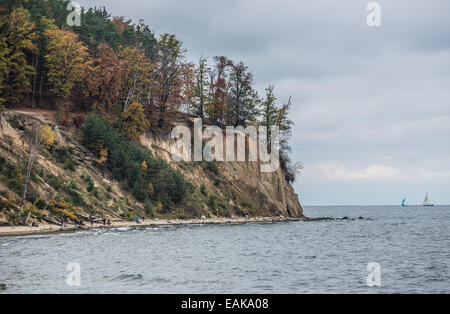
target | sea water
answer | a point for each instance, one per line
(411, 246)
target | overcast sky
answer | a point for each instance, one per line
(371, 104)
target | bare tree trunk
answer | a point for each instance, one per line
(40, 89)
(130, 93)
(33, 100)
(35, 144)
(58, 108)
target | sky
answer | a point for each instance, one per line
(371, 105)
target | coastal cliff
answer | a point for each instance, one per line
(68, 180)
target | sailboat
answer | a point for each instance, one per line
(426, 202)
(404, 203)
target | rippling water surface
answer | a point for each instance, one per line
(412, 245)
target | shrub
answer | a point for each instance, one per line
(203, 190)
(159, 207)
(62, 209)
(74, 197)
(64, 156)
(40, 204)
(212, 202)
(90, 184)
(73, 185)
(212, 167)
(149, 208)
(125, 160)
(54, 182)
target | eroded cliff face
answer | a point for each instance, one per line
(219, 188)
(241, 184)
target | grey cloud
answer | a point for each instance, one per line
(363, 96)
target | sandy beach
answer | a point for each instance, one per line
(43, 229)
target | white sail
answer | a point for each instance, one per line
(427, 200)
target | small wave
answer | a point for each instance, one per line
(112, 233)
(123, 228)
(6, 244)
(128, 277)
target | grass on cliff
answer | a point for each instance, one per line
(149, 179)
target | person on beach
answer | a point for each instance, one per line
(143, 219)
(109, 222)
(104, 222)
(137, 220)
(90, 218)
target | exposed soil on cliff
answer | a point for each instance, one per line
(68, 178)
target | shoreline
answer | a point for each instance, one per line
(50, 229)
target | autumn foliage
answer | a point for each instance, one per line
(122, 72)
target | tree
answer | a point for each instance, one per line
(269, 113)
(48, 137)
(58, 9)
(66, 61)
(145, 39)
(17, 46)
(243, 99)
(282, 118)
(136, 76)
(96, 27)
(126, 31)
(132, 121)
(199, 96)
(40, 134)
(219, 89)
(3, 67)
(104, 78)
(285, 124)
(168, 92)
(124, 28)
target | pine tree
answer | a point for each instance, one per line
(199, 96)
(243, 99)
(145, 39)
(269, 111)
(96, 27)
